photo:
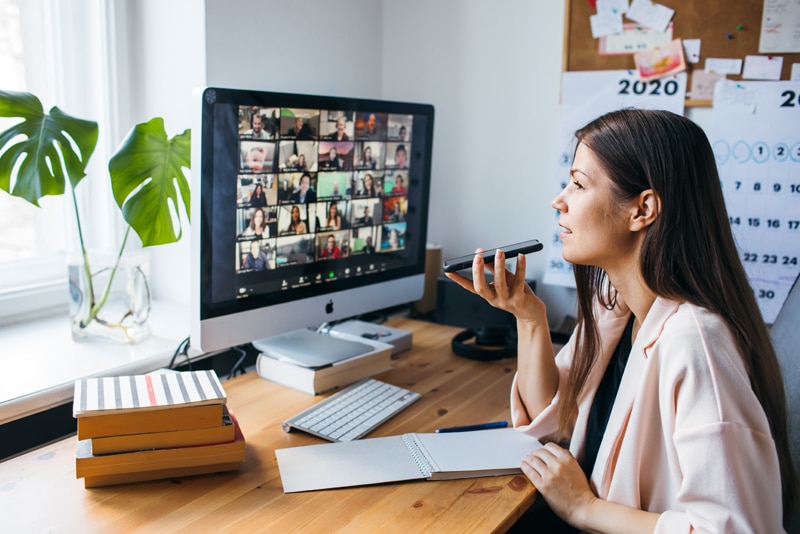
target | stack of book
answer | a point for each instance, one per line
(154, 426)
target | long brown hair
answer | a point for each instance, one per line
(668, 153)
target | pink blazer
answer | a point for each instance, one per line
(686, 437)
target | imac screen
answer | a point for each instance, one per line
(308, 206)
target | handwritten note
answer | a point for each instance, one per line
(780, 27)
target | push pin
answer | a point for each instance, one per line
(728, 36)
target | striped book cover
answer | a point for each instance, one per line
(120, 394)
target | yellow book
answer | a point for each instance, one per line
(165, 440)
(91, 465)
(150, 421)
(160, 474)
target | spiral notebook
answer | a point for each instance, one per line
(418, 456)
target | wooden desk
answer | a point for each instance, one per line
(39, 491)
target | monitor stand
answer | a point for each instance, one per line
(310, 348)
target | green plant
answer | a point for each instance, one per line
(47, 154)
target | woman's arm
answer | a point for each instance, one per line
(537, 374)
(560, 480)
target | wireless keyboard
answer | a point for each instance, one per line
(354, 411)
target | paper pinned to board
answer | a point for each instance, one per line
(651, 14)
(762, 67)
(660, 62)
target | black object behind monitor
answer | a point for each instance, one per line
(306, 209)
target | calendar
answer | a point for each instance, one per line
(756, 142)
(585, 96)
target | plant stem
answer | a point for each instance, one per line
(95, 309)
(87, 270)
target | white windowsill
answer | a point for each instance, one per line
(39, 361)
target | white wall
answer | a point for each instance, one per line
(492, 71)
(163, 46)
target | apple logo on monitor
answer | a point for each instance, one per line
(329, 307)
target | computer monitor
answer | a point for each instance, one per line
(305, 210)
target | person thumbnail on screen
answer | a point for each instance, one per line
(258, 223)
(257, 156)
(396, 183)
(333, 245)
(294, 250)
(371, 126)
(257, 191)
(335, 156)
(369, 155)
(366, 212)
(299, 124)
(367, 185)
(298, 156)
(332, 215)
(255, 255)
(400, 127)
(258, 123)
(305, 193)
(337, 125)
(397, 155)
(293, 219)
(332, 185)
(393, 237)
(364, 240)
(394, 209)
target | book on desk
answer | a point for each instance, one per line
(413, 456)
(316, 379)
(160, 425)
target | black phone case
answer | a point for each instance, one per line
(511, 251)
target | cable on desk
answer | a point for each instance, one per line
(238, 365)
(183, 350)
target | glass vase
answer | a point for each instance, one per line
(115, 304)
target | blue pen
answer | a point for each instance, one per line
(468, 428)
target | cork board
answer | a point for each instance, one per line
(716, 24)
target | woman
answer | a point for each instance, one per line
(334, 221)
(669, 393)
(258, 225)
(369, 189)
(367, 161)
(257, 197)
(296, 226)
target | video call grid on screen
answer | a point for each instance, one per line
(314, 185)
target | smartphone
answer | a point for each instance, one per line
(463, 262)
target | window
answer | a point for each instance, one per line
(18, 219)
(48, 48)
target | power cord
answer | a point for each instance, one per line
(238, 365)
(182, 350)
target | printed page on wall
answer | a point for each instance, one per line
(585, 95)
(757, 145)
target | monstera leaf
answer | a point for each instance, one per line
(46, 148)
(148, 181)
